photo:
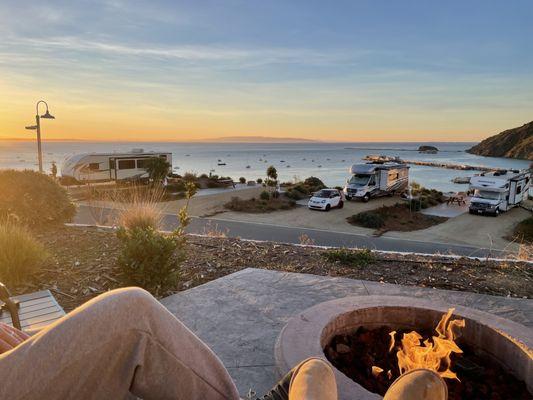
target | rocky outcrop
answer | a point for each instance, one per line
(512, 143)
(428, 149)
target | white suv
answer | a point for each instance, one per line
(326, 199)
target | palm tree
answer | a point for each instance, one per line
(272, 176)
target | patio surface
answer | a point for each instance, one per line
(240, 315)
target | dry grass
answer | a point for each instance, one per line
(20, 253)
(142, 211)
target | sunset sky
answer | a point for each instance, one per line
(341, 70)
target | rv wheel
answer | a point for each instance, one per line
(366, 198)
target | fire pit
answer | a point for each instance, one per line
(496, 341)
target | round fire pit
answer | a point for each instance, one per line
(506, 343)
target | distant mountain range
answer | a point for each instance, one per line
(512, 143)
(258, 139)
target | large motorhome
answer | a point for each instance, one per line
(101, 167)
(498, 191)
(376, 179)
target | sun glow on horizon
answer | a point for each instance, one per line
(359, 72)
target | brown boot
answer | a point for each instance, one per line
(313, 379)
(418, 384)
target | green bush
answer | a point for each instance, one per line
(34, 199)
(20, 253)
(357, 258)
(242, 179)
(147, 258)
(369, 219)
(314, 184)
(294, 194)
(259, 180)
(264, 195)
(158, 168)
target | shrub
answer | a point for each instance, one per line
(358, 258)
(147, 257)
(314, 184)
(190, 177)
(33, 198)
(142, 215)
(264, 195)
(369, 219)
(294, 194)
(259, 180)
(524, 230)
(157, 168)
(20, 253)
(242, 179)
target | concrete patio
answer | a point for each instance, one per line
(241, 315)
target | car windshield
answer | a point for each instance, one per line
(485, 194)
(359, 179)
(324, 194)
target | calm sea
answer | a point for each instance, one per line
(328, 161)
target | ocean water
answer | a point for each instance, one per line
(328, 161)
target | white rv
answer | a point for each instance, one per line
(498, 191)
(101, 167)
(376, 179)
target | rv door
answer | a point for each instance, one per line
(516, 191)
(112, 169)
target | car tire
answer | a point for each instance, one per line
(497, 212)
(366, 197)
(341, 204)
(328, 207)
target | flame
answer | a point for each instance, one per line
(392, 340)
(432, 354)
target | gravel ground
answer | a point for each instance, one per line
(83, 265)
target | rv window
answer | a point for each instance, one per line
(485, 194)
(142, 163)
(359, 180)
(518, 189)
(126, 164)
(94, 166)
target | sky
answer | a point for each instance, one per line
(342, 70)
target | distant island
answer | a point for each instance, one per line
(512, 143)
(259, 139)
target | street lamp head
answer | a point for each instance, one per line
(47, 115)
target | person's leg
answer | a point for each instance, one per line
(119, 344)
(418, 384)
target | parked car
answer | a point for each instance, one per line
(326, 199)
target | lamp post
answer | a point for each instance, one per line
(37, 127)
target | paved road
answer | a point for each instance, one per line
(275, 233)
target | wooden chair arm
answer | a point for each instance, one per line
(12, 306)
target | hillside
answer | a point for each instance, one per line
(512, 143)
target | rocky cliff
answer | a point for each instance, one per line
(512, 143)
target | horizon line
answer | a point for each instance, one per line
(216, 140)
